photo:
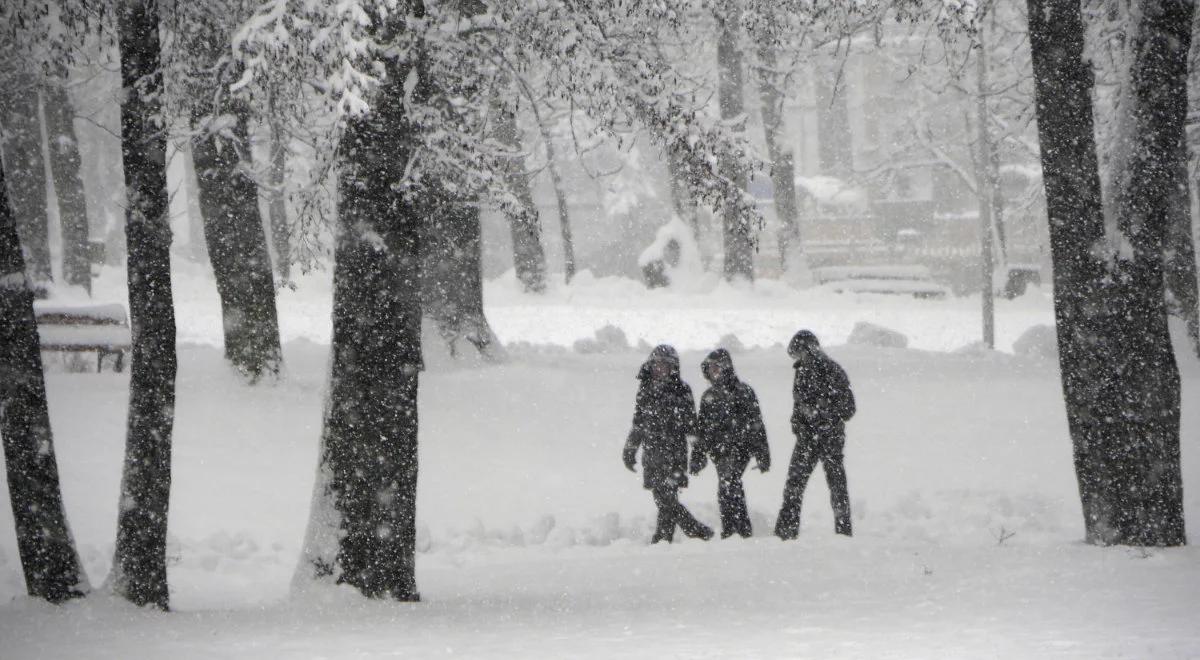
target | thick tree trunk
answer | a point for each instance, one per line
(1120, 380)
(139, 568)
(237, 248)
(452, 280)
(529, 258)
(65, 167)
(363, 526)
(48, 556)
(281, 229)
(783, 166)
(738, 232)
(22, 150)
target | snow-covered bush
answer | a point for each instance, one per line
(673, 258)
(1039, 341)
(731, 343)
(869, 334)
(608, 339)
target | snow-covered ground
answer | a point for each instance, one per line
(533, 535)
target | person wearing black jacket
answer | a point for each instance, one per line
(731, 432)
(822, 403)
(663, 419)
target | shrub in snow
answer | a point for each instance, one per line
(976, 348)
(673, 258)
(869, 334)
(1040, 342)
(609, 339)
(731, 343)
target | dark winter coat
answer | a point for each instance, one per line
(663, 417)
(730, 422)
(822, 386)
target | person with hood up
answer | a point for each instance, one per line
(731, 432)
(822, 403)
(663, 419)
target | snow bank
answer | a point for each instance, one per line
(869, 334)
(608, 339)
(1040, 342)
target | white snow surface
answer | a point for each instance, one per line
(533, 536)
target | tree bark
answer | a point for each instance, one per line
(737, 230)
(1120, 380)
(65, 167)
(987, 192)
(48, 556)
(529, 258)
(281, 229)
(560, 196)
(22, 150)
(237, 248)
(1180, 262)
(362, 529)
(452, 279)
(783, 166)
(139, 567)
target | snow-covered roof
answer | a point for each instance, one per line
(832, 191)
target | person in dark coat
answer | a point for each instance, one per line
(731, 432)
(664, 417)
(822, 403)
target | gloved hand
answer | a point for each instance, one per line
(630, 458)
(763, 466)
(698, 463)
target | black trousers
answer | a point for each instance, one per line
(671, 512)
(731, 498)
(809, 450)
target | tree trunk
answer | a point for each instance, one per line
(783, 166)
(22, 150)
(738, 232)
(362, 529)
(281, 229)
(529, 259)
(987, 188)
(139, 568)
(452, 280)
(1180, 262)
(237, 248)
(1120, 380)
(560, 196)
(44, 541)
(65, 167)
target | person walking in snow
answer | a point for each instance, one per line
(663, 419)
(731, 432)
(822, 403)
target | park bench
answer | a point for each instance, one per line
(898, 279)
(84, 328)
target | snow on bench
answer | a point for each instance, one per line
(79, 328)
(903, 279)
